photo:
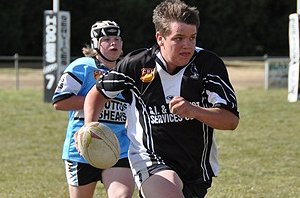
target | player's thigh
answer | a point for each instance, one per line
(85, 191)
(118, 181)
(163, 184)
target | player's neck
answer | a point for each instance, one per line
(107, 64)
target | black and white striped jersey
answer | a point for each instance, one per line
(158, 136)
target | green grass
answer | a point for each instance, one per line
(260, 159)
(32, 135)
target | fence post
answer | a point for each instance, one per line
(16, 57)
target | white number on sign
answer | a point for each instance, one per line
(51, 79)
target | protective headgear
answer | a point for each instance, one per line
(103, 28)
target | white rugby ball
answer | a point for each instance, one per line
(99, 145)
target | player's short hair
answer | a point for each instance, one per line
(174, 11)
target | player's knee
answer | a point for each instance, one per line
(120, 193)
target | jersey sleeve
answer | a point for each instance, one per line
(124, 77)
(217, 87)
(71, 81)
(114, 83)
(68, 85)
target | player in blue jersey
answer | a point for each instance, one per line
(178, 94)
(78, 78)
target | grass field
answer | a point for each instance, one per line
(261, 159)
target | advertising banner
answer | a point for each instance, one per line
(56, 49)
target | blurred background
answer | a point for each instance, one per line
(229, 28)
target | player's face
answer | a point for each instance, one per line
(178, 47)
(111, 47)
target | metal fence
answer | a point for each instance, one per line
(36, 62)
(17, 62)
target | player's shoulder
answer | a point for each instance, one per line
(206, 53)
(207, 56)
(141, 55)
(83, 61)
(80, 64)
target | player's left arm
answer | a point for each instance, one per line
(215, 117)
(219, 103)
(69, 104)
(220, 108)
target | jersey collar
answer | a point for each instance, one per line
(161, 61)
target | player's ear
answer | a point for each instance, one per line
(159, 39)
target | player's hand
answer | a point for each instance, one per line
(76, 141)
(181, 107)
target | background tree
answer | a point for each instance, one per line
(230, 28)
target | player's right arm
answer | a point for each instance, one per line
(93, 105)
(108, 87)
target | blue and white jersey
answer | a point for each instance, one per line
(78, 78)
